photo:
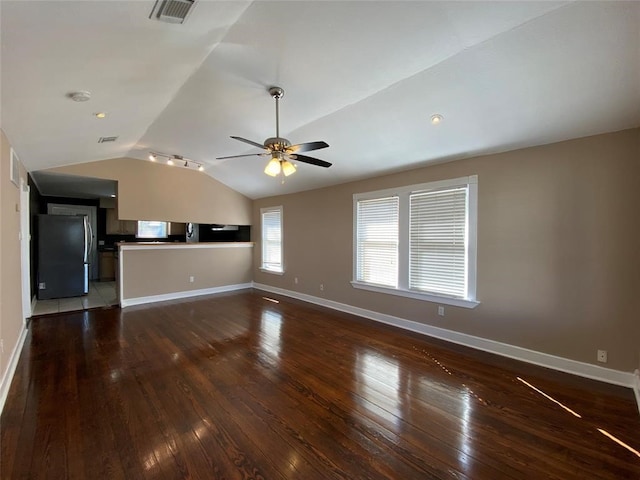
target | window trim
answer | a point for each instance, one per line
(262, 242)
(403, 194)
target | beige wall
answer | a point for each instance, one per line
(11, 320)
(558, 256)
(159, 271)
(153, 191)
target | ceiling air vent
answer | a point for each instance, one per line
(107, 139)
(171, 11)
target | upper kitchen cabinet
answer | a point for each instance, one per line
(176, 228)
(116, 226)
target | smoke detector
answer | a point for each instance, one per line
(81, 96)
(171, 11)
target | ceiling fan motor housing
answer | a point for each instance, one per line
(277, 144)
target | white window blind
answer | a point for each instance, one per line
(437, 242)
(377, 241)
(272, 239)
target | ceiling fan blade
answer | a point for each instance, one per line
(306, 147)
(250, 142)
(311, 160)
(239, 156)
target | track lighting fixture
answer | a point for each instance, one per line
(176, 160)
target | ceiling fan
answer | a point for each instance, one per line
(280, 149)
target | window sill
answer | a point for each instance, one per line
(427, 297)
(274, 272)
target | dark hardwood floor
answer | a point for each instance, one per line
(236, 386)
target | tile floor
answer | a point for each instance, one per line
(101, 294)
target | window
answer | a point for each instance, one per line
(377, 245)
(418, 241)
(437, 241)
(272, 239)
(151, 229)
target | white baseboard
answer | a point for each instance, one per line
(595, 372)
(128, 302)
(11, 367)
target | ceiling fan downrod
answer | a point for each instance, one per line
(277, 93)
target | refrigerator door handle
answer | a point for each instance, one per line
(86, 239)
(88, 245)
(90, 249)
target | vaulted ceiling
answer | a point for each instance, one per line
(366, 77)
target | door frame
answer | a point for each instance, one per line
(25, 249)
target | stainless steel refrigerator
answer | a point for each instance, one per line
(64, 246)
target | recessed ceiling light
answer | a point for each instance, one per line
(100, 115)
(436, 119)
(152, 157)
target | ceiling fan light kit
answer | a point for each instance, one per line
(280, 149)
(273, 168)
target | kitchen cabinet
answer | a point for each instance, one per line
(129, 227)
(107, 266)
(176, 228)
(116, 226)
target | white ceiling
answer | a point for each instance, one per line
(363, 76)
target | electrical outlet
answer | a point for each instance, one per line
(192, 279)
(42, 286)
(441, 310)
(322, 287)
(295, 280)
(602, 356)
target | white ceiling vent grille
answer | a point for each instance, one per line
(171, 11)
(107, 139)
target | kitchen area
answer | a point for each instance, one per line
(109, 237)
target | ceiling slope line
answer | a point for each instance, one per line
(132, 151)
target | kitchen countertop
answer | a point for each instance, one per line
(159, 245)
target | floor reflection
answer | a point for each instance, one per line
(466, 406)
(379, 385)
(270, 327)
